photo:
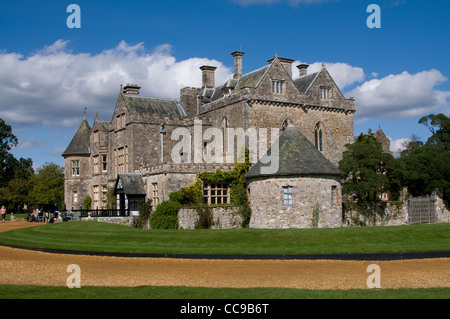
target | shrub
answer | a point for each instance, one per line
(165, 216)
(145, 210)
(87, 202)
(177, 196)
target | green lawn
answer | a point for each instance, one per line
(96, 236)
(146, 292)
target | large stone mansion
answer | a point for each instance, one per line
(133, 150)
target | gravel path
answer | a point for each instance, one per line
(23, 267)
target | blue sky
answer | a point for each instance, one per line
(49, 72)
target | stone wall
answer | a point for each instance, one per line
(80, 184)
(312, 204)
(126, 221)
(396, 214)
(222, 217)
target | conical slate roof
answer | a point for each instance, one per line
(80, 144)
(297, 156)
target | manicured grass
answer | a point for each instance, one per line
(103, 237)
(146, 292)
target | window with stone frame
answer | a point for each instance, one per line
(216, 193)
(95, 163)
(285, 124)
(96, 199)
(325, 93)
(278, 87)
(75, 168)
(104, 163)
(155, 200)
(334, 195)
(318, 137)
(121, 160)
(288, 195)
(120, 121)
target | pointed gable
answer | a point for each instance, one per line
(297, 157)
(80, 144)
(130, 184)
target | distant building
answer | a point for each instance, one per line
(385, 142)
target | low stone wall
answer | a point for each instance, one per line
(221, 217)
(398, 214)
(394, 215)
(127, 221)
(442, 212)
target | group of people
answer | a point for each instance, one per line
(34, 216)
(37, 215)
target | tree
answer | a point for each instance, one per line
(7, 141)
(427, 168)
(439, 126)
(369, 172)
(48, 185)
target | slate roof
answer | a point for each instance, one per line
(163, 107)
(297, 156)
(80, 144)
(131, 183)
(304, 82)
(251, 79)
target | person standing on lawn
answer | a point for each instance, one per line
(3, 213)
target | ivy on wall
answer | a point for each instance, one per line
(193, 195)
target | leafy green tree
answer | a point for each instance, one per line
(427, 169)
(48, 185)
(7, 141)
(369, 172)
(439, 126)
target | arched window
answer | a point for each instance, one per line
(285, 124)
(318, 136)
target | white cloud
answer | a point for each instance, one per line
(32, 142)
(400, 96)
(342, 73)
(397, 146)
(52, 86)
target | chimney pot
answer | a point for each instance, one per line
(302, 69)
(131, 89)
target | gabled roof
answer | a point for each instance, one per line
(163, 107)
(80, 144)
(304, 82)
(251, 79)
(297, 156)
(130, 184)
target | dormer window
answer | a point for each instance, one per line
(325, 93)
(278, 87)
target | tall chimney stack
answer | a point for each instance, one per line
(237, 63)
(302, 69)
(208, 80)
